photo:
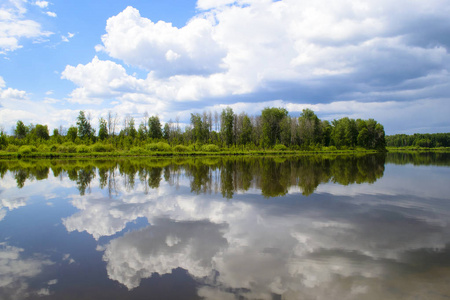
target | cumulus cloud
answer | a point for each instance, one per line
(161, 47)
(14, 26)
(300, 52)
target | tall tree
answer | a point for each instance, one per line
(103, 129)
(84, 126)
(226, 127)
(309, 127)
(271, 119)
(154, 127)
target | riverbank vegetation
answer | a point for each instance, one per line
(433, 141)
(273, 131)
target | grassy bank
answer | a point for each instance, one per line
(416, 149)
(35, 153)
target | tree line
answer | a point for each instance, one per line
(274, 128)
(426, 140)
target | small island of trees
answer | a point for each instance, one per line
(273, 130)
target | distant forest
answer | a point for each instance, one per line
(273, 129)
(425, 140)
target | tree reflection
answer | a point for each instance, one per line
(274, 176)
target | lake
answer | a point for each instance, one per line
(304, 227)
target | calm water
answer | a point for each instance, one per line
(370, 227)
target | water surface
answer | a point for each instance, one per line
(310, 227)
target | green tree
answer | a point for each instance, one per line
(142, 132)
(227, 125)
(84, 126)
(3, 139)
(246, 131)
(103, 129)
(72, 133)
(154, 125)
(309, 128)
(198, 133)
(21, 130)
(40, 132)
(271, 119)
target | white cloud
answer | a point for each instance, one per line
(344, 52)
(161, 47)
(15, 271)
(14, 26)
(41, 4)
(51, 14)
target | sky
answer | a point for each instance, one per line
(386, 60)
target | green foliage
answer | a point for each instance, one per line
(40, 132)
(72, 133)
(99, 147)
(210, 148)
(21, 130)
(83, 149)
(160, 146)
(102, 130)
(67, 148)
(3, 140)
(419, 140)
(280, 147)
(84, 126)
(271, 119)
(137, 150)
(273, 129)
(226, 127)
(25, 150)
(180, 148)
(154, 125)
(12, 148)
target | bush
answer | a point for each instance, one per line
(27, 150)
(83, 149)
(67, 148)
(160, 146)
(280, 147)
(53, 148)
(12, 148)
(43, 148)
(210, 148)
(180, 148)
(137, 150)
(98, 147)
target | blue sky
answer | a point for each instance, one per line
(363, 59)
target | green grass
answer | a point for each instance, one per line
(157, 151)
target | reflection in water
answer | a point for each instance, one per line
(273, 176)
(216, 219)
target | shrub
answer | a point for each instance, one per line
(83, 149)
(160, 146)
(12, 148)
(210, 148)
(279, 147)
(43, 148)
(27, 149)
(53, 148)
(180, 148)
(98, 147)
(137, 150)
(67, 148)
